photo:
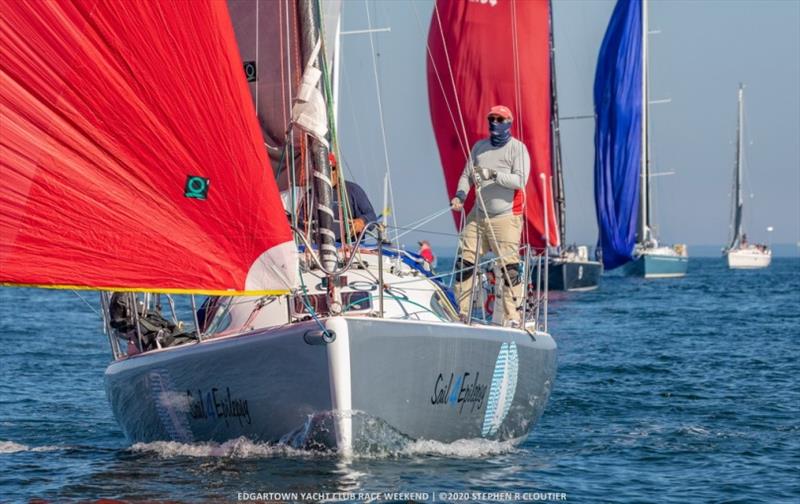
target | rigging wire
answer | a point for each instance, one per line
(96, 312)
(380, 113)
(421, 222)
(746, 181)
(459, 110)
(359, 142)
(461, 140)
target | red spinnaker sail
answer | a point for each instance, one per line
(486, 53)
(130, 153)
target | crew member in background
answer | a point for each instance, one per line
(426, 252)
(359, 209)
(500, 164)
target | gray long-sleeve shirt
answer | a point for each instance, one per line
(512, 163)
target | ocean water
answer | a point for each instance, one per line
(667, 391)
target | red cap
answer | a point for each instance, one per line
(502, 111)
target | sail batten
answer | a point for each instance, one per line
(133, 153)
(618, 101)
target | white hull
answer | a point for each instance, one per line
(749, 258)
(420, 380)
(741, 253)
(659, 262)
(268, 371)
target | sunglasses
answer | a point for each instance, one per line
(497, 119)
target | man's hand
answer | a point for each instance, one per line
(488, 174)
(357, 225)
(456, 204)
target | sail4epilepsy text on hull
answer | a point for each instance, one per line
(214, 407)
(462, 392)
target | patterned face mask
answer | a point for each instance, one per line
(499, 133)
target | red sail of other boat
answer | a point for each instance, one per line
(130, 153)
(486, 53)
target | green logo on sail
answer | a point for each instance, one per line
(196, 187)
(250, 71)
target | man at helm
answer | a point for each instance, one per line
(500, 165)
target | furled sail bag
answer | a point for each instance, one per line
(130, 153)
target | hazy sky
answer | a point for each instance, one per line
(704, 49)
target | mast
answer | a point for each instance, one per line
(737, 187)
(644, 193)
(323, 188)
(557, 165)
(337, 64)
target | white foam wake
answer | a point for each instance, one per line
(12, 447)
(245, 448)
(235, 448)
(463, 448)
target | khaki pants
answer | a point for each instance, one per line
(507, 230)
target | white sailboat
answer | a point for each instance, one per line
(651, 259)
(740, 253)
(622, 152)
(321, 349)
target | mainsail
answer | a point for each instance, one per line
(738, 199)
(618, 99)
(269, 35)
(130, 153)
(488, 53)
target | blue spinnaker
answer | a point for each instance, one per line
(618, 134)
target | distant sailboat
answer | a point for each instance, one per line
(740, 253)
(622, 165)
(571, 269)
